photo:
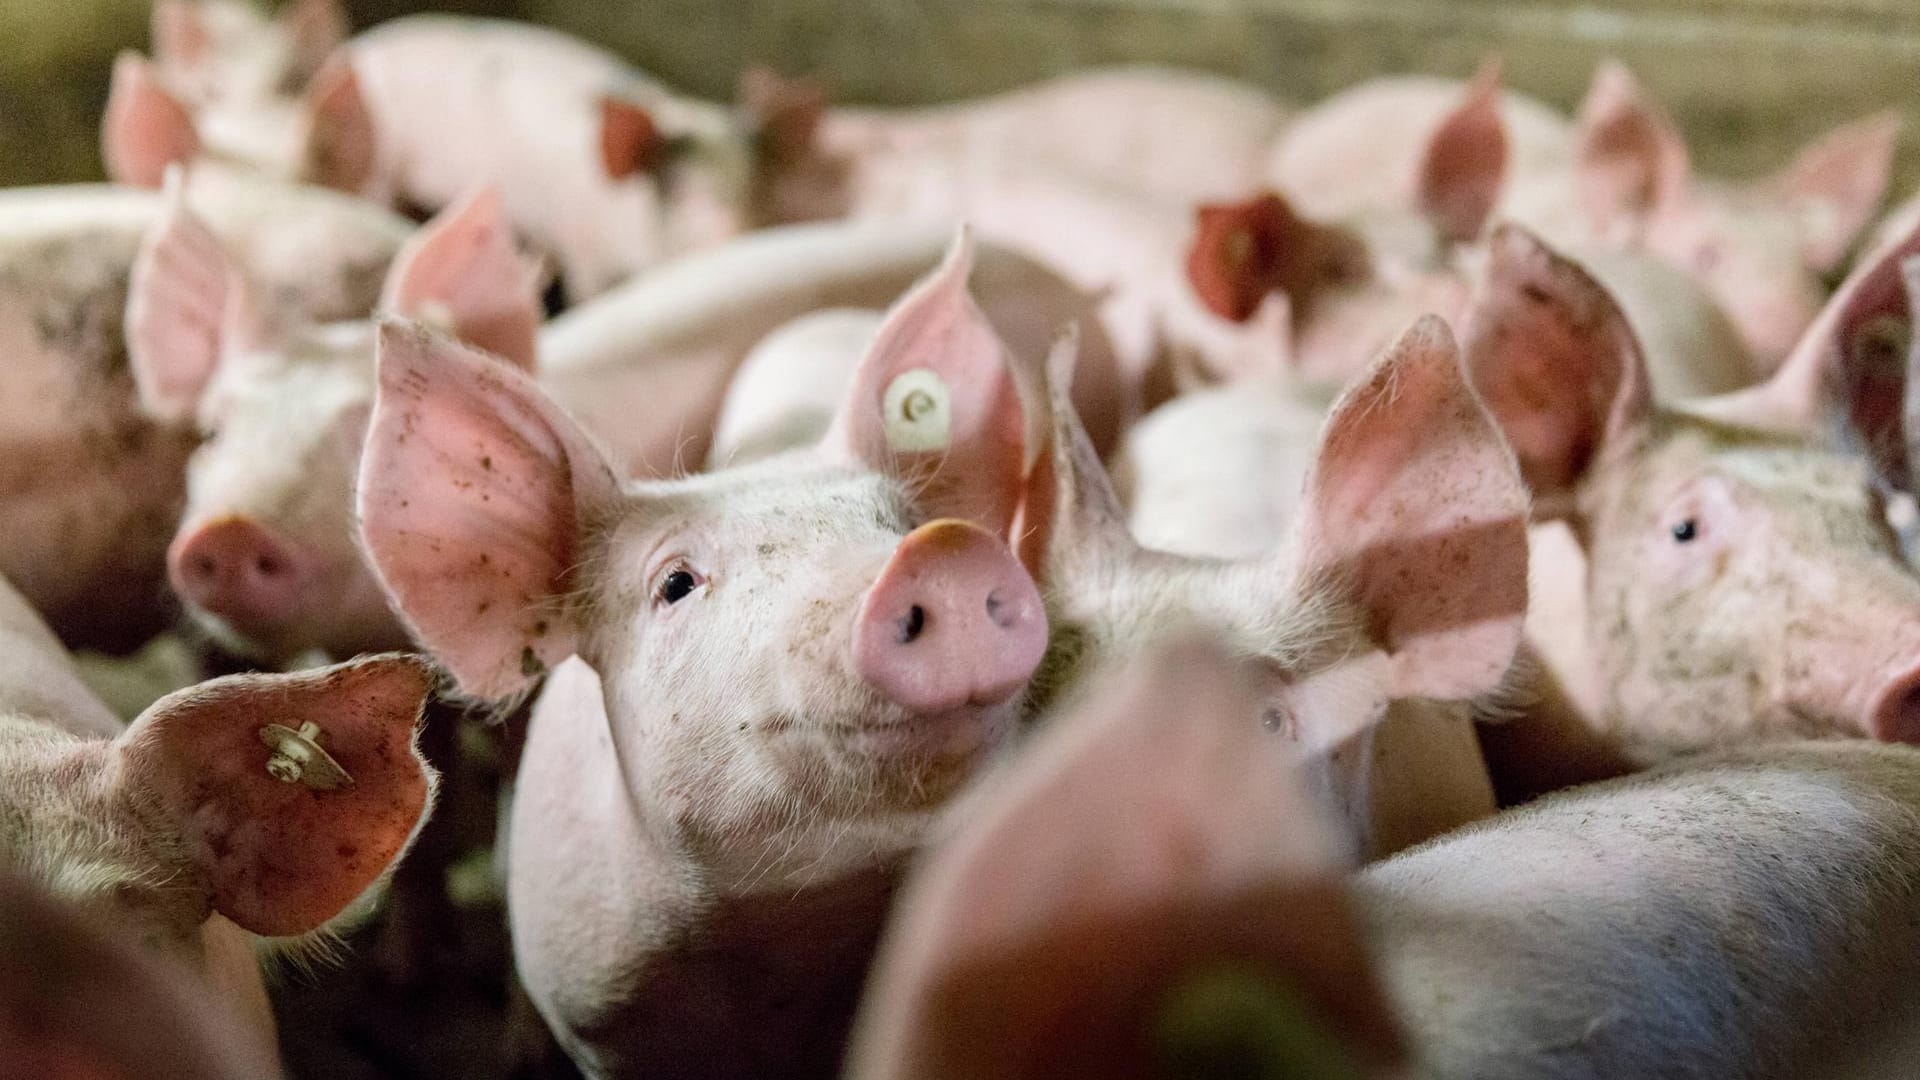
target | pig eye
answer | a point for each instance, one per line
(678, 584)
(1685, 531)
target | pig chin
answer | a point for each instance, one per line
(894, 758)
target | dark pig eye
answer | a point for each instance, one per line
(678, 585)
(1684, 532)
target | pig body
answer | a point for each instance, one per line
(120, 822)
(1741, 916)
(793, 675)
(90, 477)
(788, 388)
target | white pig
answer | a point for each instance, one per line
(218, 813)
(784, 669)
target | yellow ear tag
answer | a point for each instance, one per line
(918, 411)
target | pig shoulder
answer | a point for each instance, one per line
(1713, 919)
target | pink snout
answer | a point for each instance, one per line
(236, 569)
(953, 620)
(1895, 712)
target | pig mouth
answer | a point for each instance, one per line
(951, 737)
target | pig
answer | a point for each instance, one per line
(769, 678)
(239, 71)
(263, 556)
(1397, 601)
(254, 805)
(1760, 247)
(77, 1000)
(788, 388)
(1147, 891)
(1741, 579)
(91, 481)
(675, 338)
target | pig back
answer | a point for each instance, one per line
(1726, 918)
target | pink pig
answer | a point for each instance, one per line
(1398, 600)
(784, 669)
(219, 813)
(1741, 578)
(1147, 887)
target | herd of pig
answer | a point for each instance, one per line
(1086, 582)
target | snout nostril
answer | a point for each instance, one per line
(910, 625)
(998, 611)
(204, 565)
(266, 565)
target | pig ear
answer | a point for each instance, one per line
(146, 128)
(1847, 379)
(341, 137)
(784, 113)
(473, 491)
(180, 296)
(1555, 361)
(1630, 160)
(1416, 503)
(314, 29)
(462, 274)
(630, 142)
(1466, 161)
(1837, 184)
(934, 404)
(1243, 251)
(180, 38)
(1068, 508)
(1148, 840)
(283, 847)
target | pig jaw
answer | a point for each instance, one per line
(1784, 611)
(61, 827)
(742, 724)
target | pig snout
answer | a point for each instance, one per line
(1894, 715)
(236, 569)
(952, 620)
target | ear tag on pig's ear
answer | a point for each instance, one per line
(298, 758)
(1880, 344)
(918, 411)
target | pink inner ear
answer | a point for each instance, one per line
(179, 33)
(1554, 359)
(283, 858)
(786, 112)
(937, 328)
(1632, 160)
(464, 263)
(1840, 181)
(178, 297)
(471, 493)
(145, 129)
(342, 139)
(630, 143)
(1466, 162)
(1416, 500)
(1243, 252)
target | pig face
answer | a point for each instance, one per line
(180, 817)
(795, 657)
(1143, 856)
(264, 557)
(1406, 578)
(1759, 248)
(1742, 579)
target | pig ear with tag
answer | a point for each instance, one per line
(287, 833)
(1242, 252)
(1415, 503)
(1556, 363)
(462, 274)
(342, 139)
(933, 402)
(631, 144)
(145, 128)
(188, 306)
(1631, 162)
(1150, 843)
(1836, 184)
(1466, 162)
(472, 493)
(313, 29)
(1847, 379)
